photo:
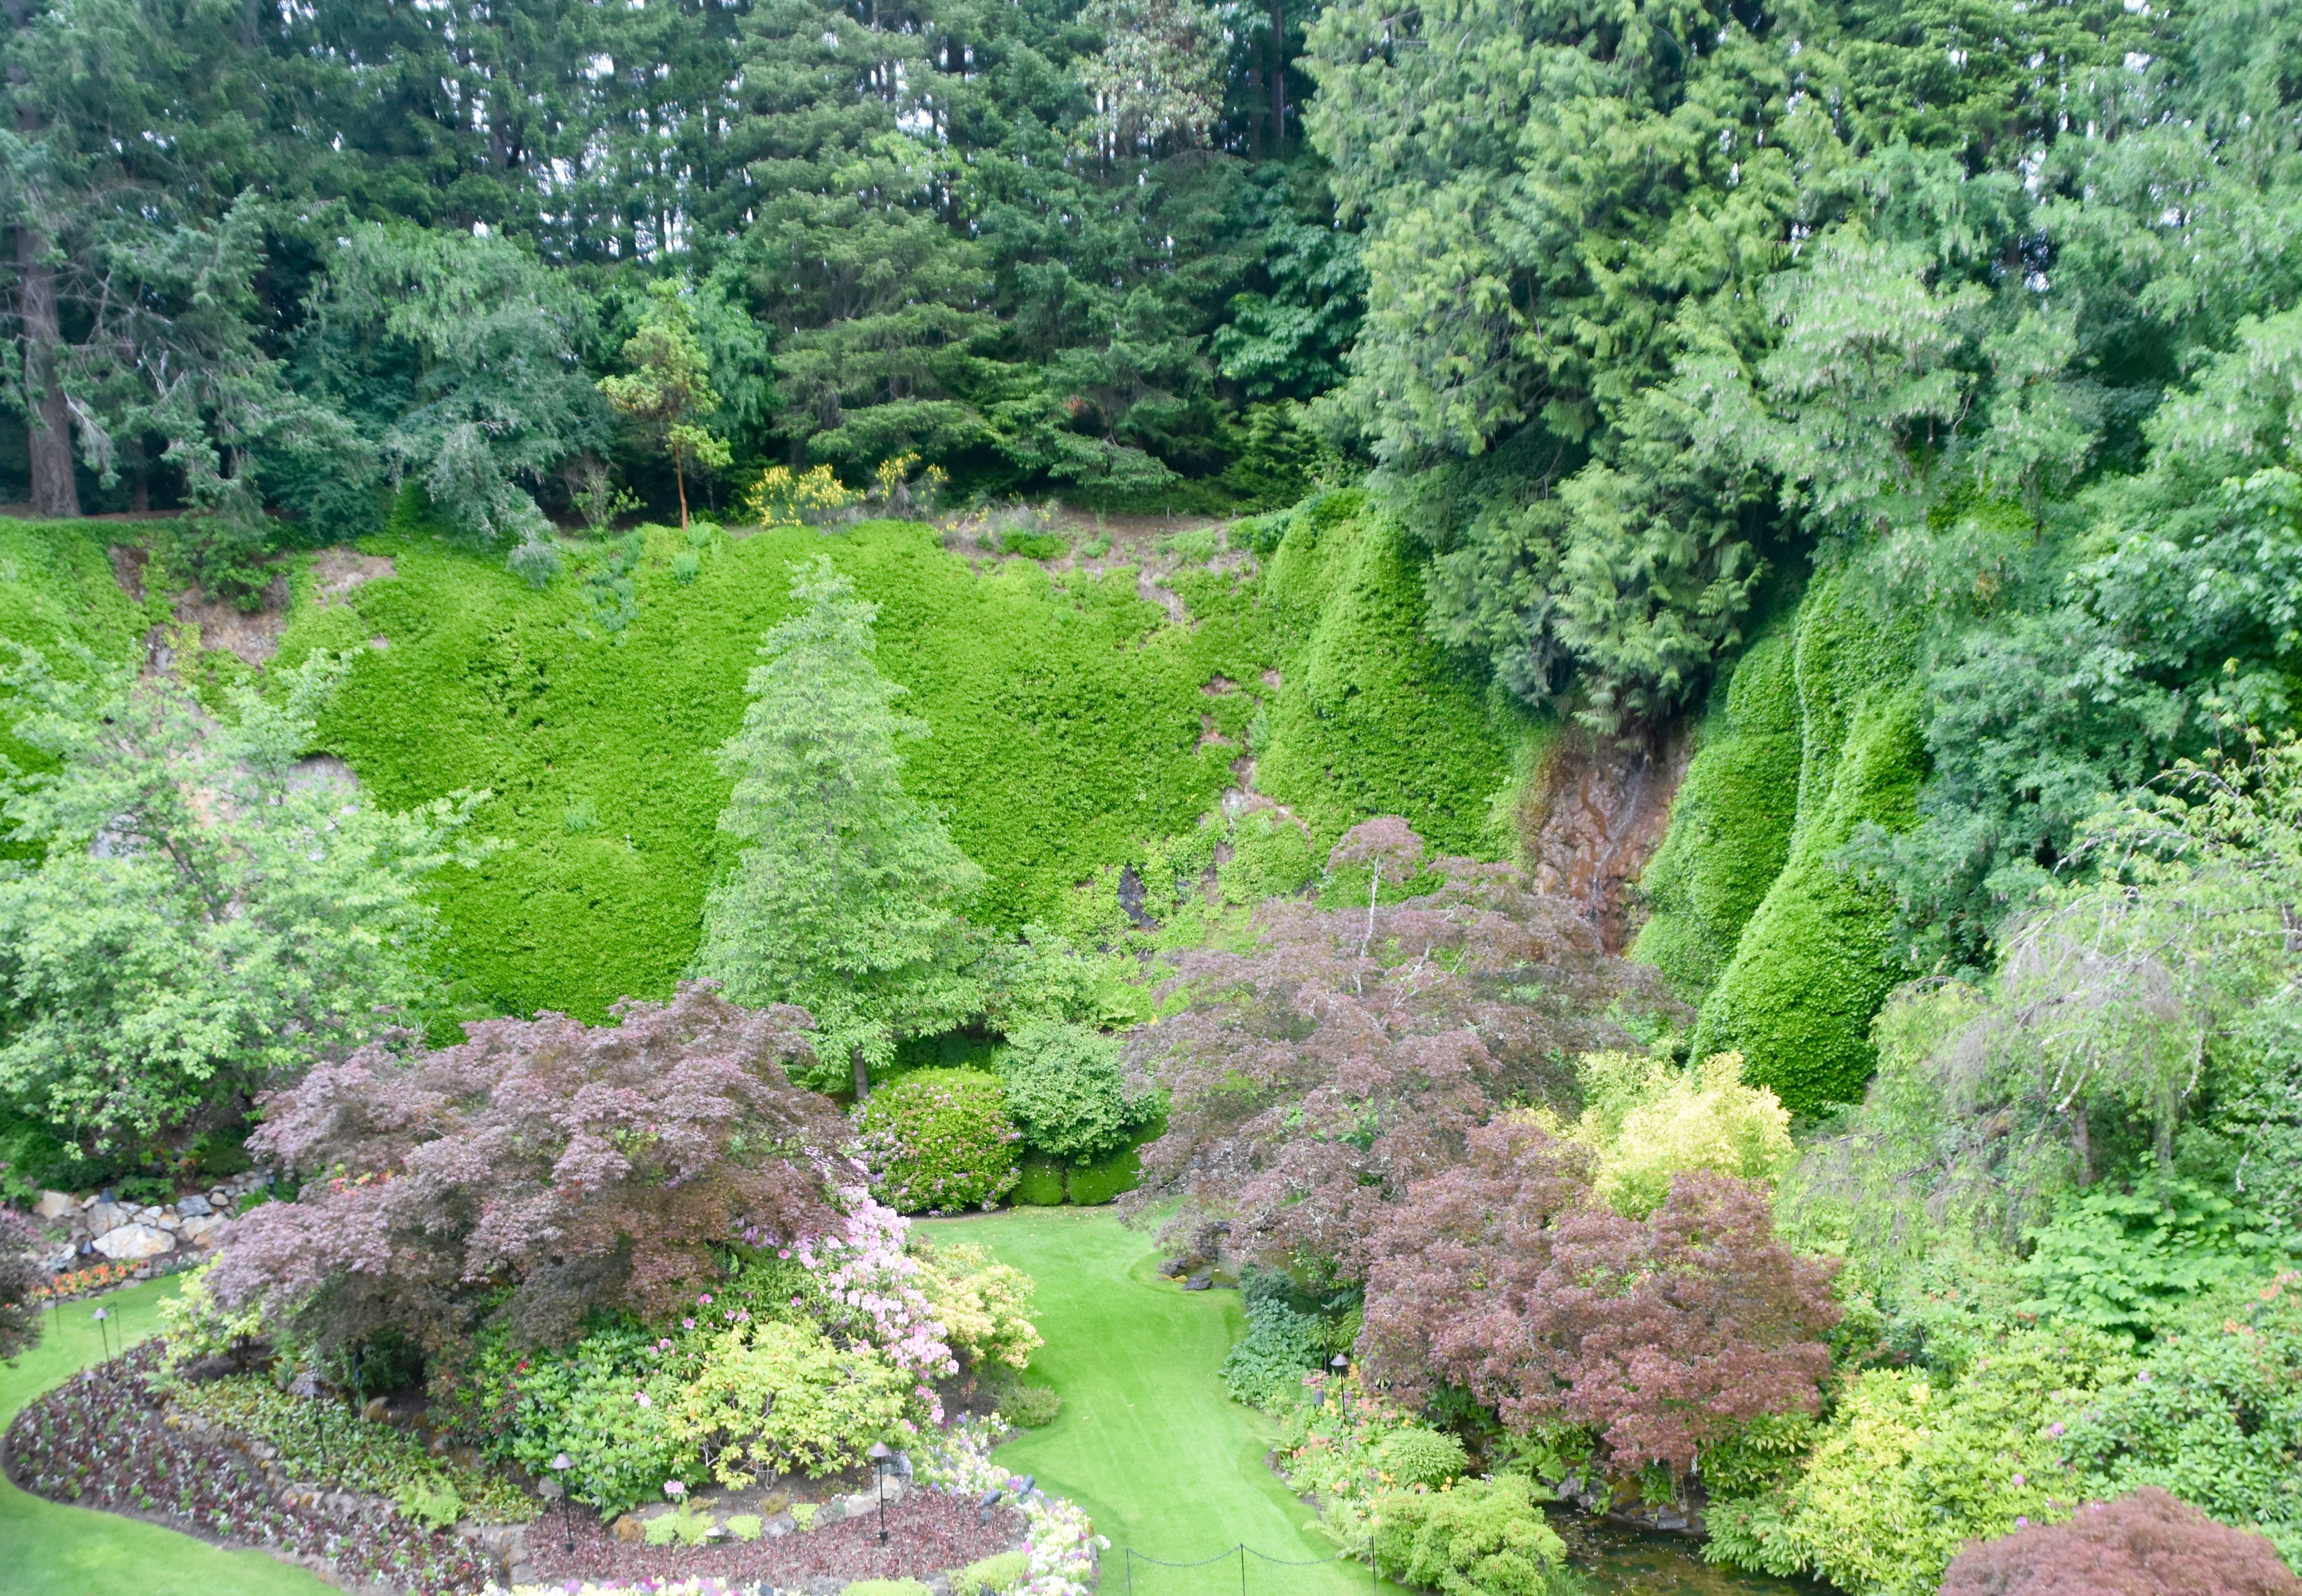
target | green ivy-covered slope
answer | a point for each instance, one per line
(1754, 912)
(58, 594)
(1065, 720)
(1376, 717)
(1071, 723)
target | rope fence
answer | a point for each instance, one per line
(1242, 1552)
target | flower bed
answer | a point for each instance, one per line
(1063, 1543)
(324, 1441)
(929, 1532)
(100, 1441)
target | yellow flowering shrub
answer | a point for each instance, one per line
(783, 497)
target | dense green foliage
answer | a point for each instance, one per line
(1379, 720)
(844, 897)
(939, 1140)
(1066, 1093)
(1818, 954)
(199, 921)
(1730, 824)
(1482, 1538)
(1280, 1348)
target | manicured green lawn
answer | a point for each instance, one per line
(50, 1551)
(1148, 1441)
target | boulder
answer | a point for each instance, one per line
(56, 1204)
(194, 1207)
(126, 1243)
(204, 1232)
(104, 1216)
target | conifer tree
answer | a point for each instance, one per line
(846, 897)
(671, 391)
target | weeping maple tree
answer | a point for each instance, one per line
(1508, 1276)
(2138, 1545)
(540, 1169)
(1350, 1052)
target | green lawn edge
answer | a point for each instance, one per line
(51, 1550)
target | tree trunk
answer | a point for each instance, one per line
(54, 490)
(1278, 77)
(679, 476)
(862, 1074)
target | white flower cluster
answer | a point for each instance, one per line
(1063, 1543)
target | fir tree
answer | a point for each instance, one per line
(846, 897)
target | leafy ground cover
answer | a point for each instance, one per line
(1065, 722)
(1149, 1441)
(55, 1550)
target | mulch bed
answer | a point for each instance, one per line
(97, 1441)
(927, 1532)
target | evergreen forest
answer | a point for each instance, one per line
(1604, 700)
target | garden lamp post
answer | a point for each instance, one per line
(104, 1330)
(879, 1454)
(560, 1464)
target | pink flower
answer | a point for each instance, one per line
(643, 1399)
(2021, 1524)
(687, 1324)
(2019, 1482)
(2055, 1428)
(703, 1301)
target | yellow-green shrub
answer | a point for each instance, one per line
(1914, 1464)
(980, 1303)
(194, 1325)
(780, 1399)
(1482, 1538)
(1647, 1122)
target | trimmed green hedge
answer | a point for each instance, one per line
(1041, 1185)
(1730, 824)
(1817, 957)
(1103, 1182)
(1375, 717)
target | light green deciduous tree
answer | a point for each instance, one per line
(204, 916)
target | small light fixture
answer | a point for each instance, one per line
(879, 1455)
(560, 1464)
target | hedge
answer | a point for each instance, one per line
(1816, 958)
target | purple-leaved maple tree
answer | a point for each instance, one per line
(1350, 1051)
(2143, 1544)
(1507, 1276)
(540, 1169)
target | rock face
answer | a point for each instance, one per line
(133, 1243)
(56, 1204)
(102, 1217)
(1595, 815)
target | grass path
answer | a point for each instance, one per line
(1148, 1441)
(51, 1550)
